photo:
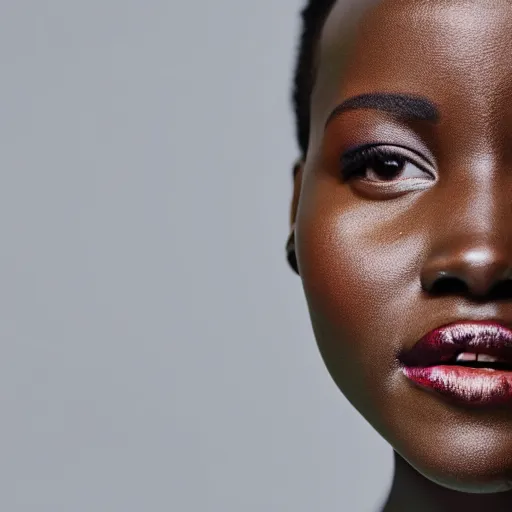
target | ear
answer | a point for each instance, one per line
(290, 244)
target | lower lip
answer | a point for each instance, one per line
(471, 386)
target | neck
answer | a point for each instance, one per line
(412, 491)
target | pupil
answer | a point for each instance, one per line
(388, 169)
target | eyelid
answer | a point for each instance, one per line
(356, 149)
(408, 154)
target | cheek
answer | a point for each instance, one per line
(359, 263)
(360, 260)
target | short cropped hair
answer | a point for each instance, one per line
(313, 17)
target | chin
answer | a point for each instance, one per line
(459, 448)
(462, 464)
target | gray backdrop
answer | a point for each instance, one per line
(156, 352)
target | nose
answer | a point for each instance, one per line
(482, 271)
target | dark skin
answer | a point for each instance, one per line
(374, 253)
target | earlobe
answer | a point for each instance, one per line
(290, 244)
(290, 252)
(297, 184)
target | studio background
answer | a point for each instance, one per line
(157, 353)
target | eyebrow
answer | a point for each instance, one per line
(406, 107)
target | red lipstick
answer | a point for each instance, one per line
(467, 362)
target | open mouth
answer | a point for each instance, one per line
(477, 344)
(472, 360)
(468, 362)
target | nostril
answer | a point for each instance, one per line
(452, 285)
(502, 290)
(476, 273)
(448, 286)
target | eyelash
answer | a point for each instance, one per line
(356, 162)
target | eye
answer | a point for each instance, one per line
(382, 165)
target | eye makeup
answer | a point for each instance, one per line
(385, 160)
(355, 163)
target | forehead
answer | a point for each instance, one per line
(457, 52)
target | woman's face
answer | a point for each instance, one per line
(395, 243)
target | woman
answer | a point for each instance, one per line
(401, 231)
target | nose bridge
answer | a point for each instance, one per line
(472, 243)
(478, 198)
(479, 193)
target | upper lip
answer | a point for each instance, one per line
(445, 343)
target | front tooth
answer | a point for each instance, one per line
(466, 356)
(486, 358)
